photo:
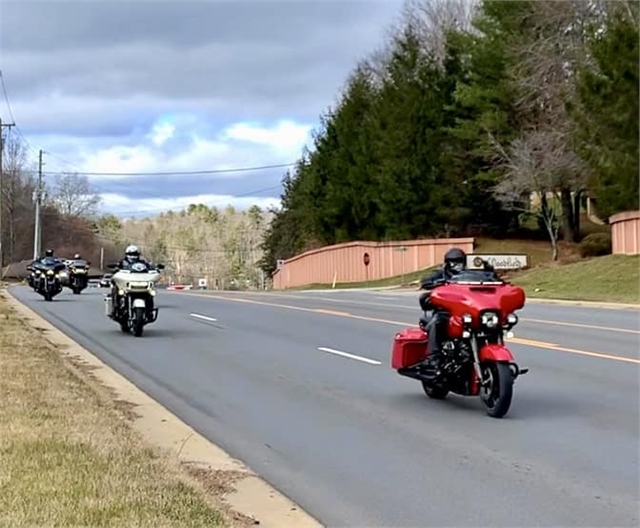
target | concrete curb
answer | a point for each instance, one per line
(252, 496)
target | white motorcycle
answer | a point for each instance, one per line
(131, 301)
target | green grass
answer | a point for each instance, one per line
(538, 251)
(614, 278)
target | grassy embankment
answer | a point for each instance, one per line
(68, 456)
(613, 278)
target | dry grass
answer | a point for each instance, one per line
(69, 457)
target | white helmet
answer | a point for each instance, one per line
(132, 253)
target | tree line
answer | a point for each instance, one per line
(222, 246)
(495, 118)
(68, 209)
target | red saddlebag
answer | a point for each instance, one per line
(409, 348)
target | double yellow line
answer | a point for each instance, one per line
(347, 315)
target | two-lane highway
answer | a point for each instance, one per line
(299, 386)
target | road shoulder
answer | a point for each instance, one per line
(244, 496)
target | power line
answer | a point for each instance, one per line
(6, 99)
(178, 173)
(142, 173)
(180, 207)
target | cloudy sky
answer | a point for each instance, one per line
(150, 86)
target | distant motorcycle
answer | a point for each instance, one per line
(475, 358)
(130, 302)
(46, 277)
(78, 275)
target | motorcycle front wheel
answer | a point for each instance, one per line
(498, 393)
(138, 321)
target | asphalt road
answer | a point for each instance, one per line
(299, 386)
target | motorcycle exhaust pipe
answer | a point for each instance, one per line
(108, 305)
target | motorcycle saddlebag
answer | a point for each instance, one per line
(409, 348)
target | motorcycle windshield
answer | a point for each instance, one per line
(476, 277)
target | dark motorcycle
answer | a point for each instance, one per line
(78, 272)
(46, 277)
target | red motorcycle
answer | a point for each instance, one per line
(475, 360)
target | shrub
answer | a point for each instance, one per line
(595, 245)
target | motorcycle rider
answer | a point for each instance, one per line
(48, 257)
(131, 256)
(455, 261)
(49, 260)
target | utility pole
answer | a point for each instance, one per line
(2, 125)
(101, 258)
(37, 232)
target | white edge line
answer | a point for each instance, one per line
(350, 356)
(203, 317)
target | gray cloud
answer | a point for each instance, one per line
(102, 72)
(237, 52)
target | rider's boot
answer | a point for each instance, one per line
(431, 367)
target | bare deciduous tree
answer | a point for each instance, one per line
(17, 192)
(73, 196)
(432, 19)
(222, 246)
(537, 167)
(549, 56)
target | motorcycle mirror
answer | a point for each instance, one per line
(112, 266)
(160, 266)
(88, 263)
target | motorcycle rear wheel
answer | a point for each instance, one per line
(498, 395)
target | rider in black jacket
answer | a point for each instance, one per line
(48, 261)
(131, 256)
(455, 261)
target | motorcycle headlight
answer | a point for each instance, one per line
(512, 319)
(49, 272)
(490, 319)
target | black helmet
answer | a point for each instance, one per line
(48, 253)
(455, 260)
